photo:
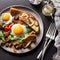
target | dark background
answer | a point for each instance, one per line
(33, 54)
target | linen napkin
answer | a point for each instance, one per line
(57, 23)
(56, 3)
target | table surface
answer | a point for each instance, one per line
(4, 55)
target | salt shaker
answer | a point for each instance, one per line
(35, 2)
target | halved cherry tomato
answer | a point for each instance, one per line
(10, 25)
(21, 22)
(6, 28)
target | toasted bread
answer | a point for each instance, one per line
(14, 11)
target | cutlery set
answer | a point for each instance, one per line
(50, 36)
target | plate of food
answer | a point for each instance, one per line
(21, 29)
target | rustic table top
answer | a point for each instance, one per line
(4, 55)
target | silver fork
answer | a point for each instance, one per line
(49, 35)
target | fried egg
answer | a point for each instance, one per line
(6, 18)
(18, 30)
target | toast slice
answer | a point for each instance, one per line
(15, 11)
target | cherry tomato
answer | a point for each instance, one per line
(21, 22)
(6, 28)
(10, 25)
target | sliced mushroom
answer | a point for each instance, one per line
(16, 17)
(18, 46)
(27, 44)
(32, 32)
(29, 39)
(15, 43)
(7, 44)
(1, 42)
(15, 50)
(10, 44)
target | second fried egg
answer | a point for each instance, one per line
(6, 18)
(18, 29)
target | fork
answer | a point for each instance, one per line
(50, 36)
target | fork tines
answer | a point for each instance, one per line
(51, 31)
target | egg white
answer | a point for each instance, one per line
(9, 21)
(24, 30)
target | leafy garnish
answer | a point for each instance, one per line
(11, 37)
(28, 28)
(2, 36)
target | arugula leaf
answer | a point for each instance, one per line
(28, 28)
(11, 37)
(2, 36)
(20, 40)
(26, 25)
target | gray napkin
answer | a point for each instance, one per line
(56, 3)
(57, 19)
(57, 22)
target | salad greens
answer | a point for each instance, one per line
(11, 37)
(2, 36)
(18, 39)
(28, 28)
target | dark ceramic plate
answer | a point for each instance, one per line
(39, 36)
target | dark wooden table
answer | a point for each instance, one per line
(33, 54)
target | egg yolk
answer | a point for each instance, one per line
(5, 17)
(18, 30)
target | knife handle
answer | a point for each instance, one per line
(42, 52)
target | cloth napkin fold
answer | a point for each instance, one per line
(57, 23)
(56, 3)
